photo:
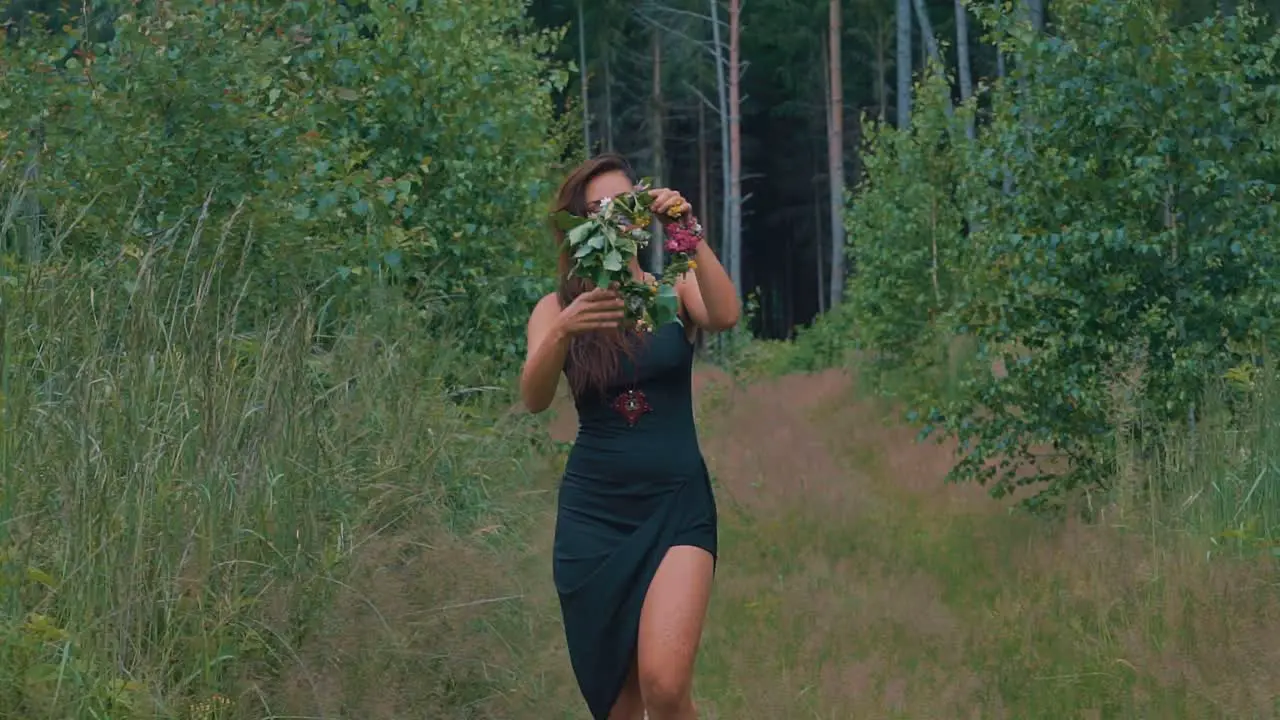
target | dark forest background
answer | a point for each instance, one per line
(651, 93)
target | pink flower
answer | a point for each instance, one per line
(682, 237)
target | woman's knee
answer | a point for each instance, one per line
(665, 689)
(630, 704)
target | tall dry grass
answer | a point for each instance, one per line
(192, 499)
(1216, 478)
(856, 583)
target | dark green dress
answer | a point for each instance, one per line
(628, 494)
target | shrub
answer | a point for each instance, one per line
(1121, 213)
(408, 141)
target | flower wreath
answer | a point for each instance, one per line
(603, 243)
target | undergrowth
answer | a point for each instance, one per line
(184, 491)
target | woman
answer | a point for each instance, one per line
(635, 541)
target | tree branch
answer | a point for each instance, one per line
(659, 7)
(714, 108)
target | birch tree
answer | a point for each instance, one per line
(729, 239)
(904, 63)
(835, 151)
(735, 144)
(584, 80)
(657, 141)
(962, 62)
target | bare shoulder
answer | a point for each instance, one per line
(549, 304)
(547, 308)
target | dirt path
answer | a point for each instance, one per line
(811, 573)
(853, 583)
(808, 593)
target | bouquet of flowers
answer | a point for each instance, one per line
(617, 228)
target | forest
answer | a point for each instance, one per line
(995, 437)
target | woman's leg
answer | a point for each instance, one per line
(670, 630)
(629, 706)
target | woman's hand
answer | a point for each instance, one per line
(668, 204)
(596, 309)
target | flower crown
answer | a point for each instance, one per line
(614, 231)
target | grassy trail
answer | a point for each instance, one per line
(855, 584)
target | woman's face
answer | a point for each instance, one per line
(608, 184)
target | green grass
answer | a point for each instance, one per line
(905, 604)
(306, 522)
(194, 502)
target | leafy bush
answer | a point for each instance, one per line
(257, 261)
(409, 140)
(908, 226)
(1120, 213)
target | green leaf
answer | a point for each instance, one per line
(40, 576)
(613, 262)
(579, 233)
(566, 221)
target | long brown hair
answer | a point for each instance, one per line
(594, 357)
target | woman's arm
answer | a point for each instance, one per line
(708, 294)
(550, 330)
(548, 348)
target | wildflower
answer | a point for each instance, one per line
(210, 708)
(636, 304)
(693, 265)
(630, 217)
(682, 238)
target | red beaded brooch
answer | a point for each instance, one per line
(631, 405)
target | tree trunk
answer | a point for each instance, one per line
(1035, 13)
(930, 43)
(583, 80)
(788, 305)
(657, 146)
(835, 152)
(608, 100)
(904, 63)
(735, 143)
(882, 71)
(962, 62)
(819, 232)
(726, 164)
(704, 180)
